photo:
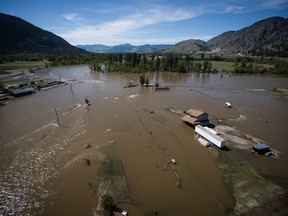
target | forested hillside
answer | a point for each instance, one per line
(267, 37)
(19, 36)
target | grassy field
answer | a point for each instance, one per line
(251, 190)
(222, 66)
(21, 65)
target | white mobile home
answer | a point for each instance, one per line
(211, 137)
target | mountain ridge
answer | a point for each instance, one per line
(122, 48)
(23, 37)
(265, 37)
(270, 34)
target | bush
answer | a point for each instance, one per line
(108, 203)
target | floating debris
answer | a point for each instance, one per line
(228, 104)
(88, 146)
(90, 185)
(87, 162)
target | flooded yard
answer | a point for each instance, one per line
(122, 142)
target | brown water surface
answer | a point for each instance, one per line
(44, 168)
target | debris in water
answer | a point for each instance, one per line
(87, 162)
(178, 183)
(87, 101)
(228, 104)
(90, 185)
(165, 167)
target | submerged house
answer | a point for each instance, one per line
(158, 87)
(261, 148)
(195, 117)
(22, 91)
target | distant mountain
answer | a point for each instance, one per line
(122, 48)
(266, 37)
(189, 46)
(96, 48)
(19, 36)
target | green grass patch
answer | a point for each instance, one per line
(21, 65)
(250, 189)
(222, 66)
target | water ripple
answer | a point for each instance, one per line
(37, 157)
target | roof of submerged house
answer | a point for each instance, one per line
(189, 119)
(261, 146)
(20, 91)
(194, 112)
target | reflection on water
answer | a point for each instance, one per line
(43, 168)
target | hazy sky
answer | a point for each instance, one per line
(113, 22)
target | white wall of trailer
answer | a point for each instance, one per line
(211, 137)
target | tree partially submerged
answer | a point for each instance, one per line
(108, 204)
(144, 79)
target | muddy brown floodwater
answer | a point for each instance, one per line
(120, 144)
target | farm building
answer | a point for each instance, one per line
(22, 91)
(261, 148)
(211, 137)
(195, 117)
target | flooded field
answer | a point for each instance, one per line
(120, 144)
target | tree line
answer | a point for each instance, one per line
(141, 63)
(144, 62)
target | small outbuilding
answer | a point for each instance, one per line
(261, 148)
(22, 91)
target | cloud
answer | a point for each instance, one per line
(71, 16)
(233, 9)
(110, 24)
(126, 25)
(273, 4)
(247, 6)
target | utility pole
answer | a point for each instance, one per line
(57, 117)
(71, 89)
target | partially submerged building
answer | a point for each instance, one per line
(261, 148)
(195, 117)
(158, 87)
(22, 91)
(199, 120)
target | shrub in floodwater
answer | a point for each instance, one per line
(108, 203)
(87, 162)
